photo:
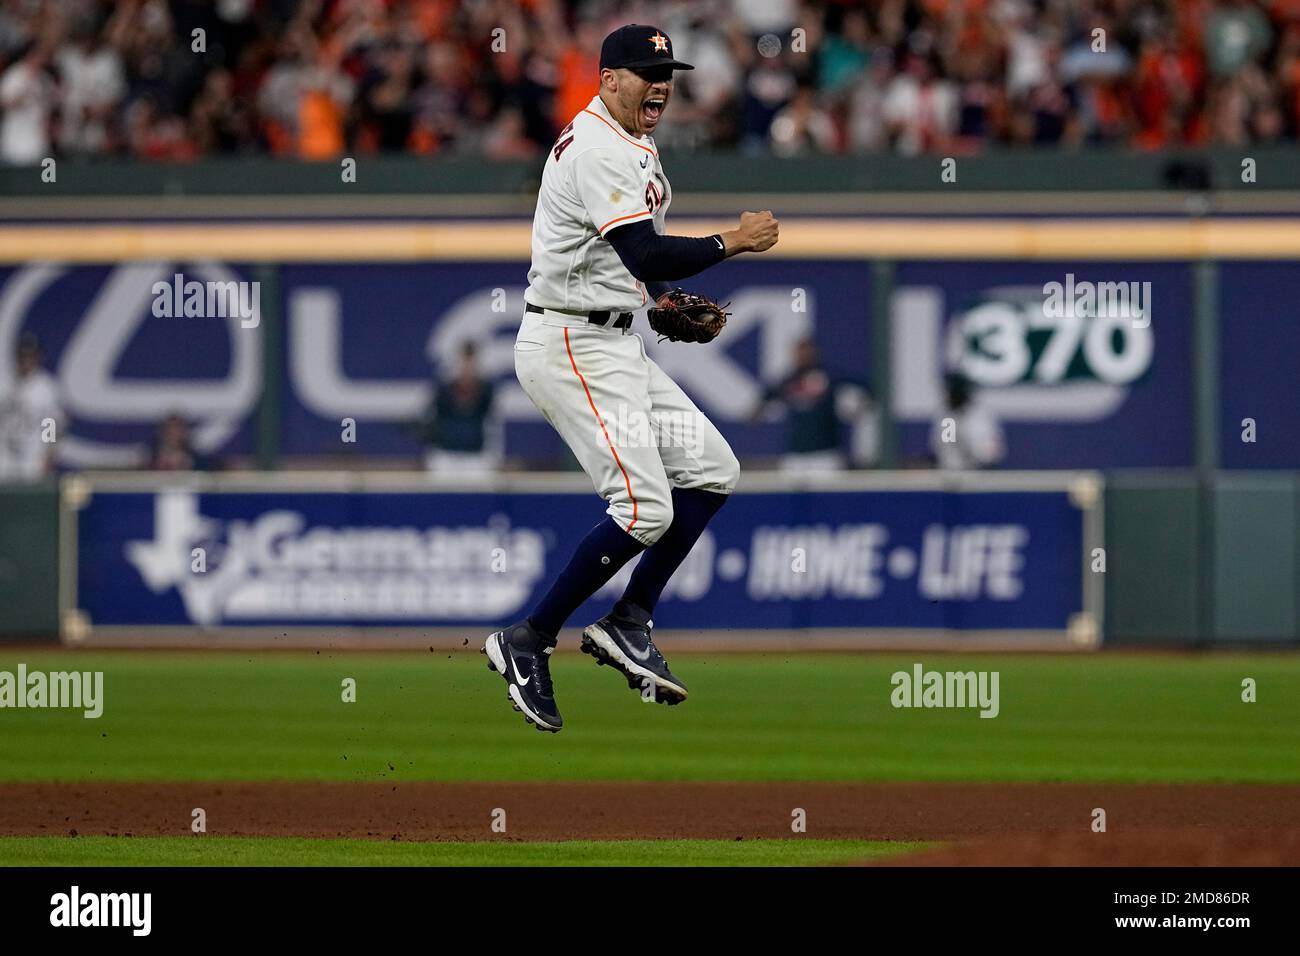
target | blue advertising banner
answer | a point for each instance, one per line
(1085, 365)
(123, 358)
(1259, 341)
(899, 553)
(365, 342)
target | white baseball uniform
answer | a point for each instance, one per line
(631, 427)
(24, 408)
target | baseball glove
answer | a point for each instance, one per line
(685, 317)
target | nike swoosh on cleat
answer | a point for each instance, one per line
(522, 682)
(639, 655)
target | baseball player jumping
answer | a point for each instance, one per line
(600, 251)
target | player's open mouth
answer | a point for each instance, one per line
(652, 110)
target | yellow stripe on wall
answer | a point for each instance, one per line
(821, 238)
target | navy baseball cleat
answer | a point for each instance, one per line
(522, 655)
(622, 640)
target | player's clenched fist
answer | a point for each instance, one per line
(757, 233)
(761, 228)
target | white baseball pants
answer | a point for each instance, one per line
(633, 430)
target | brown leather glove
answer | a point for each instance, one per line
(683, 316)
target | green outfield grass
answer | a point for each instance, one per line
(236, 851)
(443, 716)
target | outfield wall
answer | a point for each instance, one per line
(1177, 572)
(867, 559)
(29, 561)
(1192, 562)
(357, 317)
(356, 320)
(1085, 181)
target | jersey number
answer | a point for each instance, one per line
(653, 196)
(563, 144)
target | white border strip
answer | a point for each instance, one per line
(406, 482)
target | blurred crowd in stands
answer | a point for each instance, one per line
(317, 79)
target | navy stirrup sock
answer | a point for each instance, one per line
(604, 550)
(692, 510)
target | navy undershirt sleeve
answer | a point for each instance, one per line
(652, 258)
(656, 289)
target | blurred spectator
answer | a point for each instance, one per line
(29, 405)
(93, 84)
(706, 114)
(920, 108)
(447, 104)
(458, 427)
(769, 86)
(216, 125)
(1030, 41)
(1245, 111)
(1288, 76)
(1168, 81)
(152, 134)
(172, 448)
(802, 127)
(28, 95)
(507, 138)
(766, 16)
(14, 32)
(815, 405)
(579, 62)
(964, 434)
(499, 78)
(387, 99)
(1236, 34)
(868, 131)
(981, 101)
(844, 55)
(304, 96)
(1047, 116)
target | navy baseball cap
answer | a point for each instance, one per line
(639, 47)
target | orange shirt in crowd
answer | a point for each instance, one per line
(579, 79)
(433, 18)
(320, 126)
(1293, 79)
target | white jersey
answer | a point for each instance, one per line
(23, 411)
(598, 177)
(978, 440)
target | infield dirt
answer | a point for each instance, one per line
(1031, 824)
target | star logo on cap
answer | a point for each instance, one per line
(661, 43)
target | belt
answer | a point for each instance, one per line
(622, 320)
